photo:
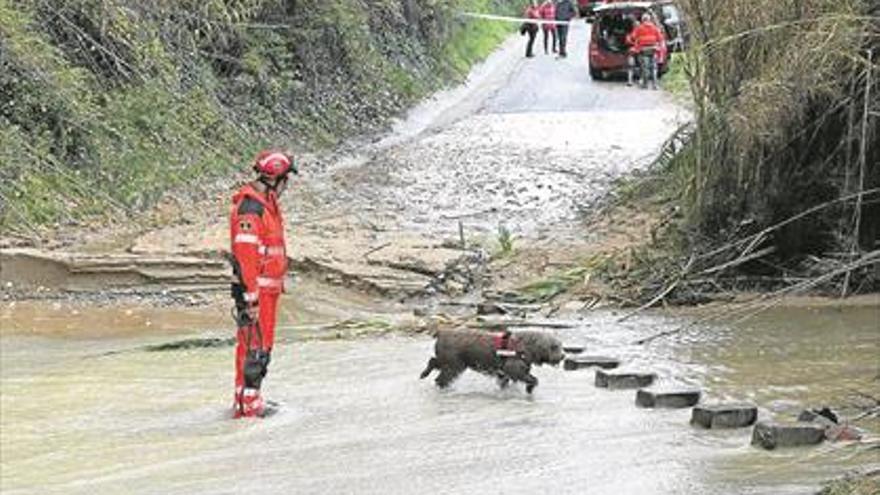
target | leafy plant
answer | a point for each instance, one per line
(505, 240)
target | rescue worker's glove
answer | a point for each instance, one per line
(246, 313)
(256, 365)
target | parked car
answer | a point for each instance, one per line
(586, 7)
(608, 48)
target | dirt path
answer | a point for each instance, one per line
(527, 144)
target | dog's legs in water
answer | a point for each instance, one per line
(531, 382)
(447, 375)
(503, 381)
(432, 365)
(520, 371)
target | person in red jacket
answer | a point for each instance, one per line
(259, 262)
(548, 13)
(532, 12)
(644, 41)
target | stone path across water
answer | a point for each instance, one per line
(766, 434)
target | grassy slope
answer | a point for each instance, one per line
(103, 106)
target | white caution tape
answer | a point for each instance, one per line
(516, 20)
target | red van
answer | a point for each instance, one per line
(608, 48)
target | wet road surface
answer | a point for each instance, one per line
(541, 142)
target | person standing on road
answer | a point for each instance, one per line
(644, 41)
(532, 12)
(565, 12)
(548, 13)
(259, 262)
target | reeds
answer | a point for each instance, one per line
(786, 99)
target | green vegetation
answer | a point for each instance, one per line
(854, 485)
(107, 105)
(778, 178)
(505, 241)
(547, 288)
(784, 120)
(550, 287)
(676, 80)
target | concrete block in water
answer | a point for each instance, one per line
(824, 416)
(578, 362)
(835, 429)
(725, 415)
(572, 349)
(667, 399)
(620, 380)
(769, 435)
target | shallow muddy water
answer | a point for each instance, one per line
(786, 360)
(356, 419)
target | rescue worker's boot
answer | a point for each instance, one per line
(249, 404)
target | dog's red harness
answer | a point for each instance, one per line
(504, 345)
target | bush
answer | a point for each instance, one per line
(786, 120)
(106, 106)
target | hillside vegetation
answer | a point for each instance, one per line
(777, 181)
(106, 104)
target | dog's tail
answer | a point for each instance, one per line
(432, 365)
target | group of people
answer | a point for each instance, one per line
(554, 17)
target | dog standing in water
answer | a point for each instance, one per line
(507, 356)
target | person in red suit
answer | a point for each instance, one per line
(259, 262)
(644, 42)
(548, 13)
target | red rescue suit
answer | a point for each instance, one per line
(645, 35)
(548, 13)
(257, 235)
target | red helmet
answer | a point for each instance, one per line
(273, 164)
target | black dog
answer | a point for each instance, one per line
(506, 355)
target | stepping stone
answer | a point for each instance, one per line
(835, 429)
(676, 399)
(578, 362)
(824, 416)
(620, 380)
(724, 415)
(769, 435)
(573, 349)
